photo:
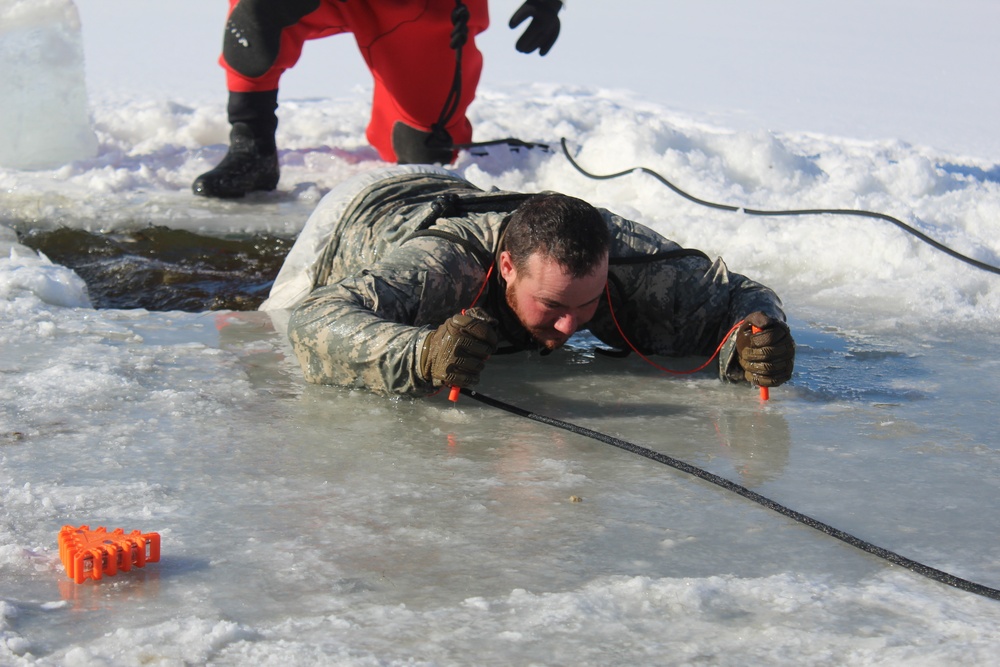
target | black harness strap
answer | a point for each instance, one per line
(662, 255)
(450, 205)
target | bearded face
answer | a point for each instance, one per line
(551, 303)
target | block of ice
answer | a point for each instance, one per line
(44, 120)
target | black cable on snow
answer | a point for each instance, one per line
(815, 211)
(885, 554)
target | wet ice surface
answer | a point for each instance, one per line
(311, 524)
(301, 522)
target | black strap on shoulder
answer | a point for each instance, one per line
(663, 255)
(498, 202)
(443, 206)
(451, 204)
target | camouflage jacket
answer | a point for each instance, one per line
(412, 250)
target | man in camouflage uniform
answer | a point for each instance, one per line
(407, 279)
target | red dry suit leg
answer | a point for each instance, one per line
(406, 44)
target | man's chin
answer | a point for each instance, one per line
(551, 344)
(550, 339)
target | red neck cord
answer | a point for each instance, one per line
(614, 318)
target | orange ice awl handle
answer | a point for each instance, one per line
(454, 392)
(765, 393)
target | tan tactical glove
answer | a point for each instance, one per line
(454, 354)
(767, 357)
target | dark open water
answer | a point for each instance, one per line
(158, 269)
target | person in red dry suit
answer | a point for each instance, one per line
(421, 53)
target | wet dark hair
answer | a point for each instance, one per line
(564, 228)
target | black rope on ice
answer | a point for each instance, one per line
(815, 211)
(885, 554)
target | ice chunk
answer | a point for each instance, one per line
(45, 119)
(25, 273)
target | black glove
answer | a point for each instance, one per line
(767, 357)
(454, 354)
(544, 27)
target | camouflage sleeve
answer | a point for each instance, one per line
(368, 330)
(686, 307)
(746, 296)
(715, 300)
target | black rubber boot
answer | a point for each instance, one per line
(252, 161)
(413, 146)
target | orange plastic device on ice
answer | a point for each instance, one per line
(93, 554)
